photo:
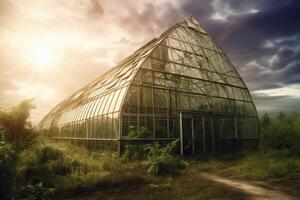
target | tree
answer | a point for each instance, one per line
(265, 120)
(15, 125)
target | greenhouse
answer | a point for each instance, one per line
(180, 85)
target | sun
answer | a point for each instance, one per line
(43, 57)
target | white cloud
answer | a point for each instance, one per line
(223, 11)
(269, 44)
(291, 90)
(273, 60)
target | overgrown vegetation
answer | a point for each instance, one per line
(267, 164)
(31, 167)
(161, 160)
(279, 153)
(7, 171)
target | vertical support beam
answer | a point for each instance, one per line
(181, 133)
(236, 134)
(168, 123)
(120, 132)
(153, 104)
(138, 111)
(119, 141)
(212, 134)
(193, 136)
(203, 126)
(235, 127)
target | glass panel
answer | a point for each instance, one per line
(109, 126)
(113, 102)
(130, 126)
(104, 100)
(96, 108)
(108, 103)
(161, 128)
(104, 126)
(161, 98)
(115, 125)
(120, 98)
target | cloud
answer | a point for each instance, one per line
(223, 11)
(260, 37)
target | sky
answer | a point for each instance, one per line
(52, 48)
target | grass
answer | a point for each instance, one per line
(70, 170)
(188, 185)
(208, 165)
(266, 165)
(73, 171)
(255, 165)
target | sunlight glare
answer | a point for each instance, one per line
(42, 56)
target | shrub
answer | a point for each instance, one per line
(7, 171)
(36, 192)
(48, 153)
(160, 160)
(43, 164)
(134, 152)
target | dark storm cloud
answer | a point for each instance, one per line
(261, 38)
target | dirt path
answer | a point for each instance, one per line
(258, 192)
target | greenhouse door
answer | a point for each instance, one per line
(204, 141)
(197, 134)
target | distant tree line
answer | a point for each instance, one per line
(281, 132)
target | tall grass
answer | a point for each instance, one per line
(267, 164)
(70, 169)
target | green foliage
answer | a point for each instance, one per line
(47, 153)
(160, 160)
(281, 133)
(7, 171)
(45, 163)
(15, 127)
(268, 164)
(36, 192)
(135, 133)
(134, 152)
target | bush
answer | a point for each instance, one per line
(36, 192)
(281, 133)
(43, 164)
(7, 171)
(160, 160)
(134, 152)
(48, 153)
